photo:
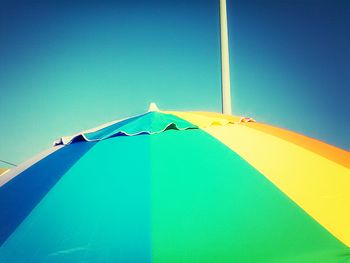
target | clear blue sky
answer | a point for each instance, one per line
(72, 65)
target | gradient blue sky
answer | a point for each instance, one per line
(72, 65)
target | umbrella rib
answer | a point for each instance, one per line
(8, 163)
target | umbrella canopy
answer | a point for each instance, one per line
(179, 187)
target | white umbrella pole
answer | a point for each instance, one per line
(225, 61)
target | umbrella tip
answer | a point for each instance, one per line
(153, 107)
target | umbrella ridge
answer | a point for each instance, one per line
(152, 122)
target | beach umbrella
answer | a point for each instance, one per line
(179, 187)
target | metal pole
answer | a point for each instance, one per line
(225, 61)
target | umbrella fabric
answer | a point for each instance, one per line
(180, 187)
(319, 186)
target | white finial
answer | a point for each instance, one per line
(153, 107)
